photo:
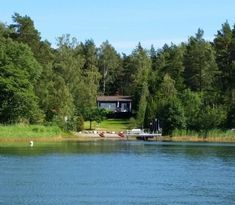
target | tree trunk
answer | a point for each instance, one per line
(90, 124)
(104, 79)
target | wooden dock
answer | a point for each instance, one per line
(141, 135)
(146, 136)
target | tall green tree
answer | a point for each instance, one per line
(200, 65)
(125, 86)
(139, 69)
(25, 31)
(174, 64)
(94, 114)
(110, 68)
(69, 63)
(167, 107)
(171, 116)
(61, 107)
(90, 76)
(224, 44)
(231, 113)
(192, 103)
(45, 84)
(153, 57)
(223, 47)
(18, 72)
(167, 89)
(141, 113)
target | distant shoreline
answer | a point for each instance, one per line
(112, 137)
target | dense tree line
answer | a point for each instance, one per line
(188, 86)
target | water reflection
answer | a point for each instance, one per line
(193, 150)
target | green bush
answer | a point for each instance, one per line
(171, 116)
(76, 123)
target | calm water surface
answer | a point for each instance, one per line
(117, 173)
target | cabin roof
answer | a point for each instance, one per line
(114, 98)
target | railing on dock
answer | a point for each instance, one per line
(141, 135)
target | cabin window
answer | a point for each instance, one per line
(108, 106)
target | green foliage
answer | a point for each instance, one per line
(190, 86)
(225, 57)
(89, 84)
(200, 65)
(75, 123)
(214, 133)
(170, 61)
(24, 31)
(187, 133)
(151, 110)
(165, 94)
(211, 117)
(222, 42)
(79, 123)
(142, 106)
(109, 67)
(94, 114)
(61, 102)
(139, 66)
(192, 103)
(171, 115)
(230, 121)
(18, 72)
(167, 88)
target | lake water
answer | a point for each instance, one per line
(117, 172)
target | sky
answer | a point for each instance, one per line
(123, 23)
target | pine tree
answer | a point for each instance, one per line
(200, 65)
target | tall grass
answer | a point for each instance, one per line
(221, 133)
(25, 130)
(210, 134)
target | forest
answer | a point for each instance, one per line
(190, 86)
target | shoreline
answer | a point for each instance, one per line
(81, 137)
(200, 139)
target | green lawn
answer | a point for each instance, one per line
(24, 131)
(109, 125)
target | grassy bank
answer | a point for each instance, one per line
(24, 131)
(109, 125)
(210, 136)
